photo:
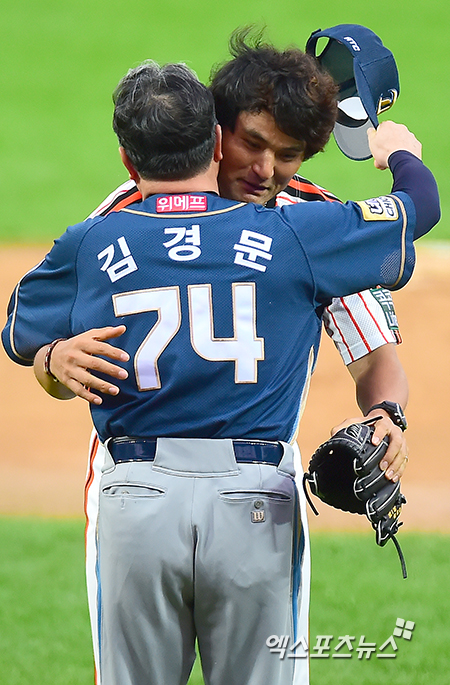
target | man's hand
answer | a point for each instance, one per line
(73, 362)
(388, 138)
(396, 458)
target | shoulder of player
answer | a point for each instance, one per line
(126, 194)
(300, 189)
(300, 211)
(390, 207)
(74, 235)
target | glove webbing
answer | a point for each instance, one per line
(380, 538)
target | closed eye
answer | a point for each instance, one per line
(289, 155)
(252, 144)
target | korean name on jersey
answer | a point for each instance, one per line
(222, 303)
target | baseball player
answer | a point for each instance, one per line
(359, 324)
(257, 165)
(199, 533)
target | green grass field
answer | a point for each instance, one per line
(61, 61)
(357, 590)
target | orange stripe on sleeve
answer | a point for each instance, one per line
(136, 197)
(308, 187)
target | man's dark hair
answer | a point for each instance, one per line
(290, 85)
(165, 120)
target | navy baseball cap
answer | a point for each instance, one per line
(367, 76)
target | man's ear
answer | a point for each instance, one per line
(134, 175)
(218, 155)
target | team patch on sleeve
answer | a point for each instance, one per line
(379, 209)
(384, 299)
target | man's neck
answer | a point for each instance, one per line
(202, 183)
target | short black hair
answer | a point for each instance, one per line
(165, 120)
(288, 84)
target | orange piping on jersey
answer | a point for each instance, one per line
(89, 479)
(136, 197)
(290, 200)
(309, 188)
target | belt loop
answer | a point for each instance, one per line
(109, 463)
(286, 464)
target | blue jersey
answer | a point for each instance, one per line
(221, 300)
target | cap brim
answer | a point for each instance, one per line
(350, 130)
(352, 141)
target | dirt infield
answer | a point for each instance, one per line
(43, 456)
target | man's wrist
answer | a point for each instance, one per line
(48, 358)
(393, 410)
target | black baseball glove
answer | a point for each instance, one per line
(344, 472)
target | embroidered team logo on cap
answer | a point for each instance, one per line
(182, 203)
(379, 209)
(386, 101)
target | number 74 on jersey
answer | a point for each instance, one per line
(244, 349)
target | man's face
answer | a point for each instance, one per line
(258, 159)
